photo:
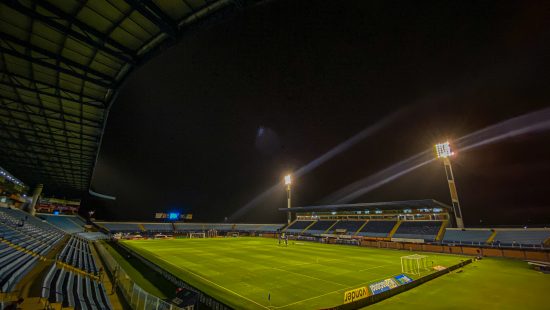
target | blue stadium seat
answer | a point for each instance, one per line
(319, 227)
(466, 236)
(298, 226)
(68, 223)
(515, 237)
(426, 230)
(350, 226)
(379, 229)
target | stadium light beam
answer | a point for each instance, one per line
(443, 151)
(288, 182)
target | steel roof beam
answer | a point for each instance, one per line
(94, 102)
(44, 115)
(14, 153)
(47, 142)
(155, 16)
(19, 119)
(54, 56)
(127, 54)
(40, 62)
(37, 164)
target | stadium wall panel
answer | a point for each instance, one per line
(513, 254)
(518, 253)
(536, 255)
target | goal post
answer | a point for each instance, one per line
(197, 235)
(414, 264)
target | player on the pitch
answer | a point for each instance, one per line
(283, 237)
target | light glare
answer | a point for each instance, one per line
(443, 150)
(288, 180)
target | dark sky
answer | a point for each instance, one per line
(184, 131)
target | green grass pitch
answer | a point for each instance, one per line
(243, 272)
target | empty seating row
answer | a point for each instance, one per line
(298, 226)
(73, 290)
(121, 227)
(187, 227)
(68, 223)
(470, 236)
(319, 227)
(14, 264)
(92, 236)
(378, 229)
(349, 227)
(77, 253)
(158, 227)
(28, 232)
(426, 230)
(512, 237)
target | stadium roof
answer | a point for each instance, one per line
(61, 65)
(390, 205)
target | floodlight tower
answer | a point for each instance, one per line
(443, 151)
(288, 181)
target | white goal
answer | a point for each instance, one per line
(197, 235)
(414, 264)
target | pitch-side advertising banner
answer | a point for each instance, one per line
(356, 294)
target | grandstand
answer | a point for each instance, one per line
(63, 65)
(68, 223)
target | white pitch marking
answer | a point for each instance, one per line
(216, 284)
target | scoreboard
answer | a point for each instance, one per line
(173, 216)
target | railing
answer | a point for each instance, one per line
(494, 244)
(137, 298)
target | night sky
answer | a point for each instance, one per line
(215, 120)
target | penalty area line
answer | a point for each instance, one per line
(216, 284)
(335, 291)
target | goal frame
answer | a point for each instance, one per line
(414, 264)
(195, 235)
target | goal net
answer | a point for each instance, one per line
(197, 235)
(414, 264)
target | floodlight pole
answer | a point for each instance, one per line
(454, 193)
(443, 151)
(288, 182)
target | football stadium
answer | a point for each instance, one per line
(456, 218)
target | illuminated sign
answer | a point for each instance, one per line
(402, 279)
(382, 286)
(173, 216)
(356, 294)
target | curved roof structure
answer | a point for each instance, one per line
(62, 63)
(388, 205)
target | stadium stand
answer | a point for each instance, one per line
(120, 227)
(463, 236)
(92, 236)
(426, 230)
(23, 240)
(28, 232)
(377, 229)
(68, 223)
(158, 227)
(514, 237)
(319, 227)
(351, 227)
(14, 264)
(74, 290)
(77, 253)
(298, 226)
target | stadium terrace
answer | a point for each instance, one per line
(315, 72)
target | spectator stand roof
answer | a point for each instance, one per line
(62, 63)
(390, 205)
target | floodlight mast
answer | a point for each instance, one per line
(443, 151)
(288, 182)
